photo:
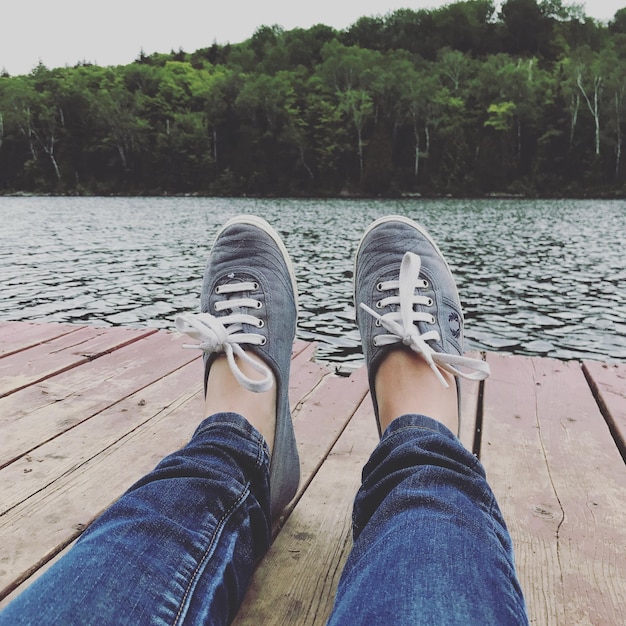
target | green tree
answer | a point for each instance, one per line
(358, 106)
(275, 125)
(454, 67)
(413, 31)
(417, 89)
(466, 26)
(618, 23)
(351, 72)
(119, 111)
(527, 26)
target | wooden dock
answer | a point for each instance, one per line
(85, 411)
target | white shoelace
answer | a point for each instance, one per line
(224, 334)
(402, 324)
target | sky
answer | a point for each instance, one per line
(114, 32)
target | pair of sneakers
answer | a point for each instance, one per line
(404, 293)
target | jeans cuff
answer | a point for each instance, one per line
(235, 422)
(413, 420)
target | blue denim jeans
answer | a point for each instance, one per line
(180, 546)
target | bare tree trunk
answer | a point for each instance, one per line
(575, 108)
(619, 94)
(360, 144)
(122, 153)
(416, 134)
(48, 148)
(306, 167)
(596, 117)
(593, 109)
(215, 150)
(55, 166)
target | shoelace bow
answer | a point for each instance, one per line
(223, 334)
(402, 325)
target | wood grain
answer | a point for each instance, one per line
(61, 353)
(16, 336)
(560, 482)
(48, 408)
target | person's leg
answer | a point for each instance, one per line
(179, 546)
(430, 544)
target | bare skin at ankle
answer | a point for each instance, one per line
(406, 384)
(225, 394)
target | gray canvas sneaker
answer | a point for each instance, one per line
(405, 297)
(249, 298)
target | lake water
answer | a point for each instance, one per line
(535, 277)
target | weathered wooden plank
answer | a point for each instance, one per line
(305, 375)
(297, 580)
(299, 346)
(16, 336)
(43, 466)
(13, 594)
(608, 384)
(48, 408)
(319, 422)
(559, 480)
(62, 353)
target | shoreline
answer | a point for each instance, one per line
(340, 196)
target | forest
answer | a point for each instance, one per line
(527, 99)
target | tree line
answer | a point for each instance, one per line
(465, 100)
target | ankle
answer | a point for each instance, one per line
(405, 384)
(225, 395)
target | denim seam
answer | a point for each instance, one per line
(209, 550)
(222, 523)
(262, 451)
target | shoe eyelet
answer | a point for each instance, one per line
(260, 324)
(432, 319)
(263, 341)
(379, 304)
(255, 286)
(379, 287)
(430, 302)
(258, 305)
(425, 284)
(378, 323)
(218, 290)
(215, 306)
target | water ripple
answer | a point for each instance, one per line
(535, 277)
